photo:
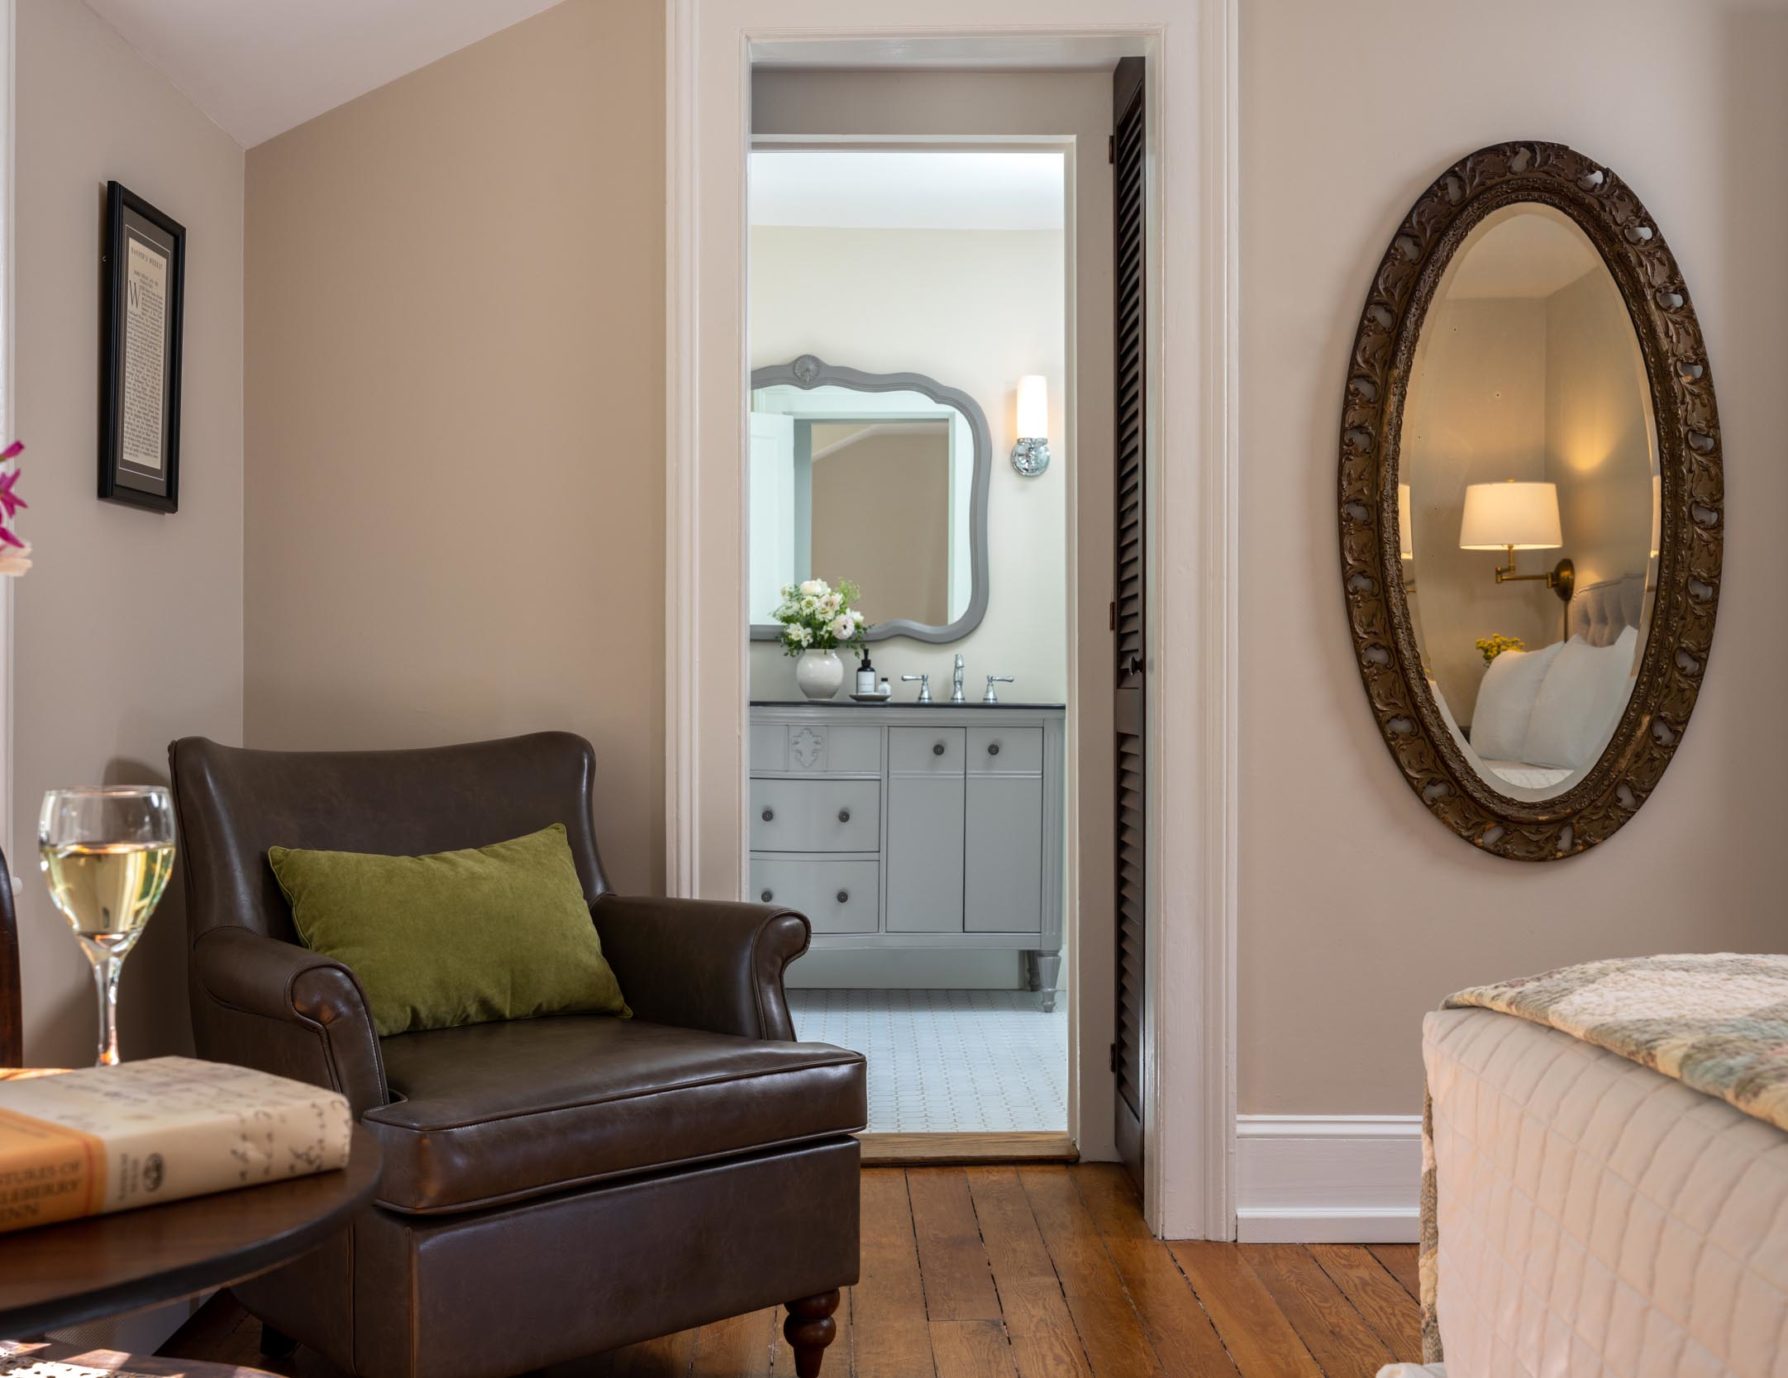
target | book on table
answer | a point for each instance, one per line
(112, 1138)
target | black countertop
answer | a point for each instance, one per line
(895, 703)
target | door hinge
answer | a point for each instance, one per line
(1111, 149)
(1114, 1057)
(1111, 616)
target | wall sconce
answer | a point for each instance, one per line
(1405, 532)
(1515, 516)
(1030, 456)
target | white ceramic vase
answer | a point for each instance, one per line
(819, 674)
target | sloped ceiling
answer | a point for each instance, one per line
(261, 67)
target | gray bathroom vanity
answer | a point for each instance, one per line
(913, 826)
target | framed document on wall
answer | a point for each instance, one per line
(144, 262)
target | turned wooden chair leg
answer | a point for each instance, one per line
(809, 1329)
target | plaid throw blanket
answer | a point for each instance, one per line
(1717, 1022)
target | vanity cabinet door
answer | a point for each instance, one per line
(925, 814)
(1003, 840)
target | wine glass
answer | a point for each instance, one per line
(107, 852)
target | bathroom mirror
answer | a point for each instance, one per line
(1530, 501)
(876, 478)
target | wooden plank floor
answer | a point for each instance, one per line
(1024, 1271)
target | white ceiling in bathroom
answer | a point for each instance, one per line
(902, 189)
(261, 67)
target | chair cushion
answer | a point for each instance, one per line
(492, 1113)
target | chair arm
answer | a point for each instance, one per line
(703, 964)
(287, 1010)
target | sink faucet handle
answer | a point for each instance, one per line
(924, 686)
(990, 696)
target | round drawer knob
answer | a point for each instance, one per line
(769, 814)
(844, 896)
(993, 748)
(844, 815)
(937, 749)
(767, 896)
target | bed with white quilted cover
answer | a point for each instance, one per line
(1597, 1219)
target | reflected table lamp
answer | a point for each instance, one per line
(1514, 516)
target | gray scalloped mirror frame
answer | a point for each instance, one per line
(808, 372)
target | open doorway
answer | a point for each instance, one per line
(721, 52)
(909, 328)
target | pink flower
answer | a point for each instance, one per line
(10, 502)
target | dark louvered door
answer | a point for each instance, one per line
(1128, 621)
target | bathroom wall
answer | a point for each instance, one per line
(976, 310)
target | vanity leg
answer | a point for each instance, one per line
(1049, 968)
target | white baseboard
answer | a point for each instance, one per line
(1328, 1179)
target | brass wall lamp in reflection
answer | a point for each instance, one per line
(1513, 516)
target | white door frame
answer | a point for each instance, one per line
(1189, 1125)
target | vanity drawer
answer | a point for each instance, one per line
(816, 815)
(1005, 751)
(836, 896)
(926, 750)
(816, 749)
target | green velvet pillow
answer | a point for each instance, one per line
(497, 932)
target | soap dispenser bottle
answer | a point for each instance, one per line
(865, 674)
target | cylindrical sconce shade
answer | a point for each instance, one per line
(1033, 407)
(1405, 532)
(1657, 512)
(1501, 515)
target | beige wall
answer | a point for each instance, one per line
(456, 411)
(974, 309)
(1357, 910)
(128, 630)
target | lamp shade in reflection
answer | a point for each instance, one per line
(1033, 407)
(1405, 532)
(1501, 515)
(1657, 512)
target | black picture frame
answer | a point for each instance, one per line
(139, 423)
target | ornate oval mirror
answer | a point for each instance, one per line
(1531, 501)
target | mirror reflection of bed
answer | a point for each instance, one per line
(1528, 500)
(1542, 717)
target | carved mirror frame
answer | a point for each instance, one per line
(1691, 518)
(808, 372)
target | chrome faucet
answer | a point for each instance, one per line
(924, 687)
(990, 696)
(956, 694)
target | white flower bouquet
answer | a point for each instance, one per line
(817, 617)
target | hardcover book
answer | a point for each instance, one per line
(112, 1138)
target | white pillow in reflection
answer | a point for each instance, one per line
(1579, 700)
(1506, 699)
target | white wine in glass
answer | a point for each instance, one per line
(107, 853)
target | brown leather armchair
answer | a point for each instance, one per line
(553, 1187)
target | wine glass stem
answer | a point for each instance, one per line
(105, 976)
